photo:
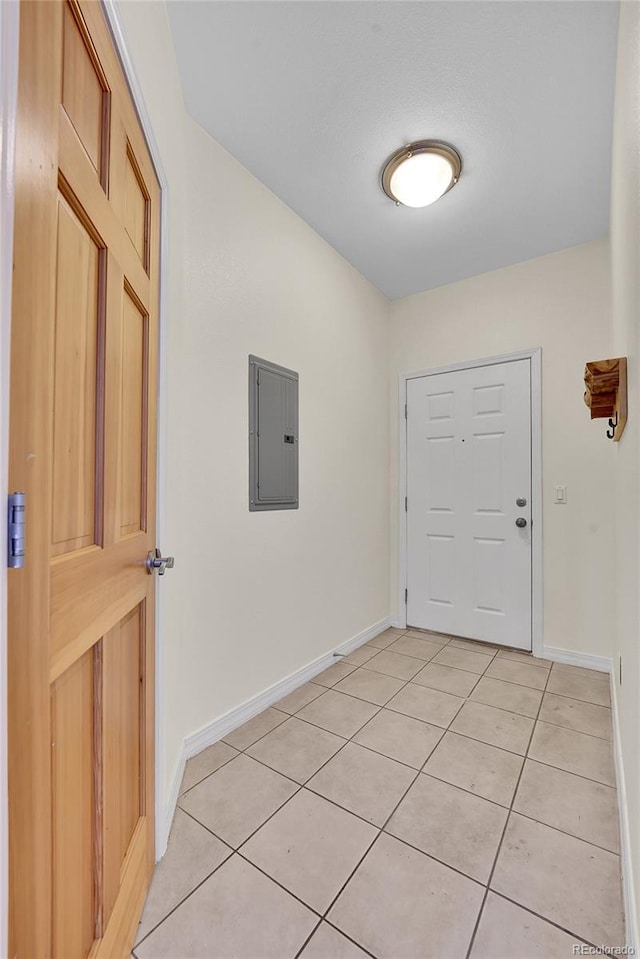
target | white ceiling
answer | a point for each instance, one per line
(311, 96)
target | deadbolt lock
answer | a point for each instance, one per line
(521, 501)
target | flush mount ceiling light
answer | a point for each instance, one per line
(420, 173)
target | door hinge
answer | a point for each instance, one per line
(16, 531)
(405, 504)
(406, 596)
(405, 411)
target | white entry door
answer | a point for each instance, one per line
(469, 503)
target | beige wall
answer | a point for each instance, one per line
(256, 596)
(625, 265)
(561, 303)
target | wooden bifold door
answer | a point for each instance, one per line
(83, 449)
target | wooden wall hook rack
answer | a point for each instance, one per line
(606, 393)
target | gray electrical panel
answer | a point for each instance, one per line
(273, 436)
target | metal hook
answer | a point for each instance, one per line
(611, 432)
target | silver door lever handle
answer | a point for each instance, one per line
(155, 560)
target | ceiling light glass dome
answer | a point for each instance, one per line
(420, 173)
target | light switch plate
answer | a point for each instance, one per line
(561, 495)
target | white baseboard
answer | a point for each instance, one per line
(628, 884)
(163, 826)
(605, 665)
(222, 725)
(571, 658)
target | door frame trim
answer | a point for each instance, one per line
(114, 22)
(537, 599)
(9, 45)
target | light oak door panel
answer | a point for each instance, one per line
(136, 208)
(75, 401)
(123, 744)
(134, 354)
(84, 89)
(75, 831)
(83, 448)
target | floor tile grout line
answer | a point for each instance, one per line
(430, 855)
(379, 709)
(209, 830)
(308, 939)
(585, 702)
(510, 682)
(350, 739)
(295, 715)
(595, 674)
(461, 669)
(571, 835)
(511, 812)
(562, 769)
(191, 891)
(437, 647)
(347, 936)
(382, 828)
(379, 828)
(305, 785)
(347, 881)
(551, 922)
(510, 752)
(475, 685)
(395, 652)
(571, 729)
(474, 646)
(504, 709)
(367, 822)
(537, 720)
(273, 729)
(235, 850)
(423, 771)
(527, 659)
(257, 715)
(184, 792)
(434, 642)
(420, 769)
(569, 772)
(504, 830)
(262, 763)
(484, 741)
(294, 895)
(384, 755)
(575, 699)
(412, 679)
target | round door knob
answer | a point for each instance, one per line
(521, 522)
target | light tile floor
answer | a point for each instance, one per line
(424, 797)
